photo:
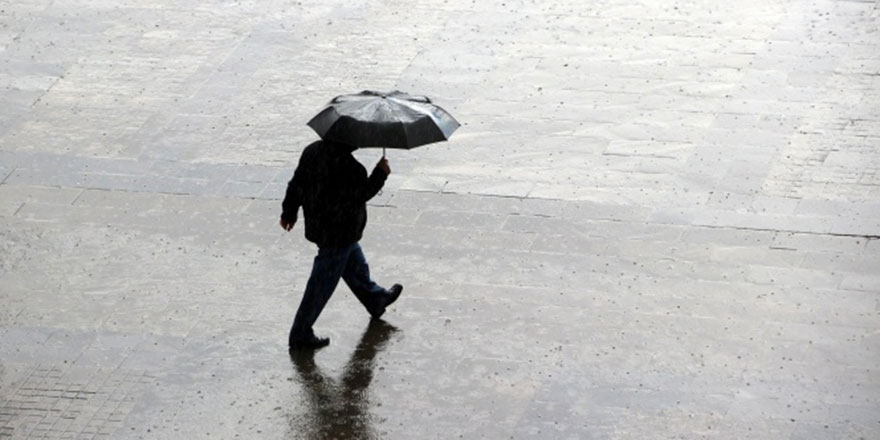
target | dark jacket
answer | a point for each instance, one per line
(333, 188)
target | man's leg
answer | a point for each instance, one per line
(327, 269)
(357, 276)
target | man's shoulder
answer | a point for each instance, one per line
(314, 146)
(311, 151)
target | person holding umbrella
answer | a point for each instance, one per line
(332, 188)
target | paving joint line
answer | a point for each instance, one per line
(831, 234)
(6, 177)
(520, 198)
(835, 234)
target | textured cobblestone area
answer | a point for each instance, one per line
(53, 403)
(658, 220)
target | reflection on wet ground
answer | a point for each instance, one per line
(338, 408)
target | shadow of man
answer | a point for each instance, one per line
(339, 409)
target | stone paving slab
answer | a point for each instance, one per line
(657, 220)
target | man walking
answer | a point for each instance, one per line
(333, 189)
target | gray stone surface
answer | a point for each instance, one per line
(658, 220)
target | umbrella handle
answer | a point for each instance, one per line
(383, 152)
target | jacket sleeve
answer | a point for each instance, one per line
(374, 183)
(360, 187)
(293, 198)
(292, 201)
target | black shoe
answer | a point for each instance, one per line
(394, 293)
(312, 343)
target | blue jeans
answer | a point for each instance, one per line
(330, 265)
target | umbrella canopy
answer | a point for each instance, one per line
(375, 119)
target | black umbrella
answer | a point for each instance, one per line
(375, 119)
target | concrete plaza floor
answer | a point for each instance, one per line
(658, 220)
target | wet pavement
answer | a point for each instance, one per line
(657, 221)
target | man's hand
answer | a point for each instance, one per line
(285, 225)
(383, 165)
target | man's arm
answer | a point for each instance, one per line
(290, 205)
(377, 179)
(293, 196)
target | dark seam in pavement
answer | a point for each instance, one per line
(834, 234)
(831, 234)
(653, 156)
(408, 65)
(39, 98)
(519, 214)
(81, 192)
(17, 210)
(497, 196)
